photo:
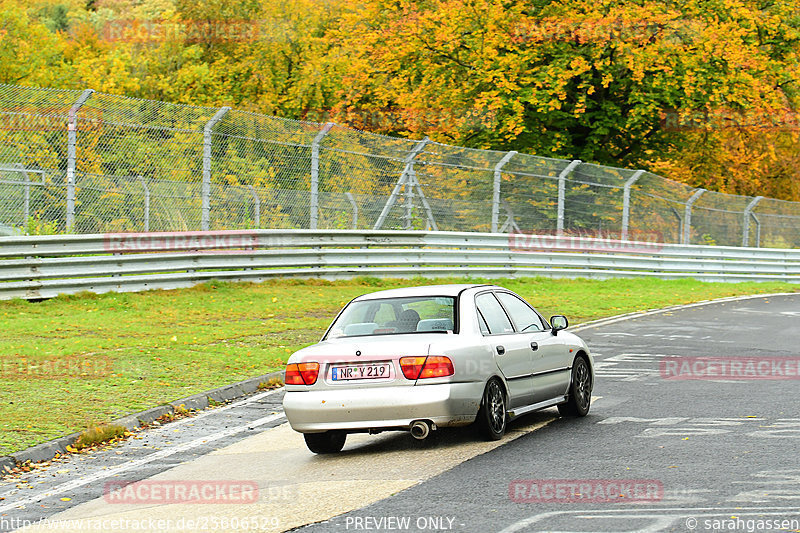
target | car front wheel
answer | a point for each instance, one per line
(327, 442)
(580, 391)
(492, 414)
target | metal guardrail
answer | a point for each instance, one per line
(44, 266)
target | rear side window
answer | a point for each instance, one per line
(493, 314)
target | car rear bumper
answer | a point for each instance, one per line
(445, 404)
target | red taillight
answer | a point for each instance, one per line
(301, 373)
(437, 366)
(412, 366)
(433, 366)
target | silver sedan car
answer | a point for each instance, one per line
(422, 358)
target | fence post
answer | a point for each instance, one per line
(409, 167)
(498, 168)
(72, 139)
(758, 230)
(409, 200)
(26, 191)
(205, 215)
(626, 203)
(561, 194)
(413, 182)
(748, 211)
(680, 223)
(314, 215)
(354, 205)
(687, 215)
(146, 204)
(256, 205)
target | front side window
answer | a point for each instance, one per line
(525, 318)
(391, 316)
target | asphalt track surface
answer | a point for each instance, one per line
(713, 451)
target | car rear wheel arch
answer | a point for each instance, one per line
(488, 426)
(499, 378)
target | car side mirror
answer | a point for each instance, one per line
(558, 322)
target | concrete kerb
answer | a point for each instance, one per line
(48, 450)
(7, 463)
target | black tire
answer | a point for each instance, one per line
(492, 417)
(579, 398)
(328, 442)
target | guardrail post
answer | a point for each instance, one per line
(626, 203)
(72, 140)
(256, 205)
(354, 205)
(562, 193)
(748, 211)
(146, 204)
(496, 188)
(206, 186)
(314, 215)
(687, 215)
(409, 167)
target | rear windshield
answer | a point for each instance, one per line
(395, 316)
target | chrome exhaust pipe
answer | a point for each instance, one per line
(420, 429)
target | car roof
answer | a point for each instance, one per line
(426, 290)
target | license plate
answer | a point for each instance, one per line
(365, 371)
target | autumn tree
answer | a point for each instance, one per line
(577, 79)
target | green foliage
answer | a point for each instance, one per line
(37, 226)
(56, 17)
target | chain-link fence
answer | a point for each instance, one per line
(85, 162)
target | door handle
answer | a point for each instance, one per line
(500, 350)
(534, 346)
